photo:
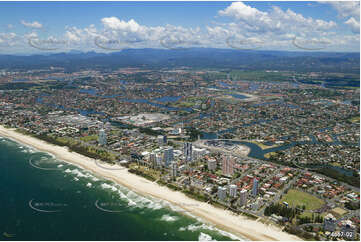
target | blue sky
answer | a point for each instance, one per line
(110, 26)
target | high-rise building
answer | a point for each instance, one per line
(187, 151)
(348, 230)
(165, 139)
(222, 193)
(174, 169)
(153, 160)
(102, 139)
(162, 140)
(198, 153)
(232, 190)
(329, 223)
(168, 155)
(212, 164)
(255, 187)
(243, 195)
(108, 126)
(228, 165)
(159, 160)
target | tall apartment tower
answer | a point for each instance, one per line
(212, 164)
(162, 140)
(228, 166)
(255, 187)
(187, 151)
(102, 139)
(153, 160)
(174, 169)
(329, 223)
(168, 156)
(243, 195)
(232, 190)
(222, 193)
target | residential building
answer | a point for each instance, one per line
(174, 169)
(243, 195)
(232, 190)
(329, 223)
(153, 159)
(198, 153)
(102, 139)
(162, 140)
(212, 164)
(168, 155)
(159, 160)
(255, 187)
(228, 165)
(187, 151)
(348, 230)
(165, 139)
(222, 193)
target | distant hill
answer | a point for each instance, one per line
(191, 57)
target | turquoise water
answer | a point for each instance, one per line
(46, 199)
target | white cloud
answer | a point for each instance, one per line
(239, 10)
(34, 24)
(72, 36)
(115, 23)
(31, 35)
(349, 11)
(247, 27)
(272, 29)
(7, 39)
(276, 20)
(354, 24)
(346, 9)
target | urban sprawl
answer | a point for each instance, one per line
(282, 152)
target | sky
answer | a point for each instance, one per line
(39, 27)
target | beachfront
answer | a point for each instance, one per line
(239, 225)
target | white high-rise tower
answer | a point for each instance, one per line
(102, 139)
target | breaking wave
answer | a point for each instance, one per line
(201, 226)
(204, 237)
(169, 218)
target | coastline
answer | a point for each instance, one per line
(236, 224)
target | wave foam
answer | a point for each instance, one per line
(204, 237)
(169, 218)
(78, 173)
(107, 186)
(197, 227)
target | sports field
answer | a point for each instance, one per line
(295, 197)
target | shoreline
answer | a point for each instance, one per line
(238, 225)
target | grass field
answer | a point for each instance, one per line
(295, 197)
(268, 155)
(261, 75)
(261, 145)
(89, 138)
(338, 212)
(156, 174)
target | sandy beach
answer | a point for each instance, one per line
(225, 220)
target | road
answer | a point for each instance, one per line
(277, 197)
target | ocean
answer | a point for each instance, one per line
(43, 198)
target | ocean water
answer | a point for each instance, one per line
(43, 198)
